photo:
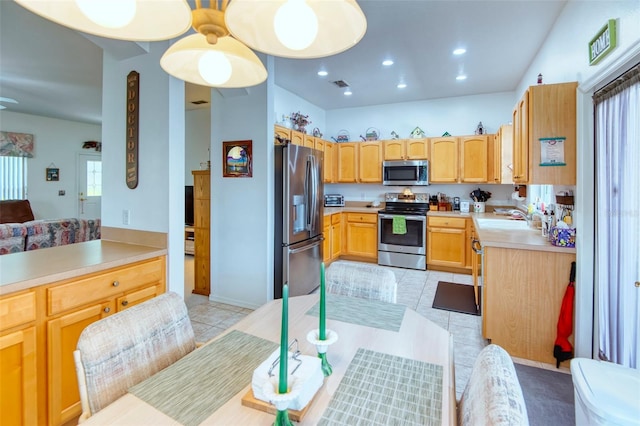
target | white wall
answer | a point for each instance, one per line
(285, 103)
(56, 142)
(157, 204)
(563, 57)
(198, 137)
(459, 116)
(241, 224)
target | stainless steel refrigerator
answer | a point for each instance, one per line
(298, 219)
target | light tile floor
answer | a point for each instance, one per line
(416, 289)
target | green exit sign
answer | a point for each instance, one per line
(603, 43)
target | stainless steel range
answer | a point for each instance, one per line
(406, 249)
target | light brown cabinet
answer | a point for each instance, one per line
(361, 235)
(18, 359)
(297, 138)
(545, 111)
(447, 243)
(406, 149)
(330, 162)
(202, 229)
(309, 141)
(332, 244)
(347, 162)
(474, 152)
(444, 153)
(282, 132)
(39, 330)
(501, 161)
(522, 292)
(370, 162)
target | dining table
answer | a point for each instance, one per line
(390, 365)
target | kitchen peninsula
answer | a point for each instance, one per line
(48, 296)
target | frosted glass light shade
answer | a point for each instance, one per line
(341, 25)
(153, 20)
(182, 60)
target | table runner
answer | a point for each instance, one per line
(382, 389)
(370, 313)
(194, 387)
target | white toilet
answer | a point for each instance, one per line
(605, 393)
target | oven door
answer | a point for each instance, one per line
(413, 242)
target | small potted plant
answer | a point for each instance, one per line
(300, 121)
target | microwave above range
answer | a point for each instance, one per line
(409, 172)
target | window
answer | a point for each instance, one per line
(13, 178)
(94, 178)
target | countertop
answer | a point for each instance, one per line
(24, 270)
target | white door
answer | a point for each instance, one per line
(89, 192)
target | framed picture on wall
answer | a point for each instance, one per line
(237, 159)
(53, 174)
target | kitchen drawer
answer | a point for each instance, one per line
(104, 285)
(335, 218)
(138, 296)
(17, 310)
(447, 222)
(362, 217)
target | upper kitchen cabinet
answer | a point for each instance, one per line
(330, 161)
(474, 158)
(501, 162)
(309, 141)
(347, 162)
(282, 132)
(545, 112)
(370, 162)
(405, 149)
(297, 138)
(444, 160)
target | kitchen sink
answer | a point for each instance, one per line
(502, 224)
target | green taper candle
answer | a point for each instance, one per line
(284, 352)
(323, 332)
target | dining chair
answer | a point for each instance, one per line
(124, 349)
(493, 395)
(361, 280)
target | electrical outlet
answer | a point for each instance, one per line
(126, 217)
(61, 192)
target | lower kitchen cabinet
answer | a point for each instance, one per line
(332, 244)
(521, 299)
(18, 360)
(447, 243)
(361, 235)
(38, 359)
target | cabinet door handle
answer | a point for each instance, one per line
(115, 283)
(125, 303)
(107, 310)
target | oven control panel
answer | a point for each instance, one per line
(409, 198)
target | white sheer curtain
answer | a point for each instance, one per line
(617, 139)
(13, 178)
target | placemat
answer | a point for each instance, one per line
(382, 389)
(370, 313)
(192, 388)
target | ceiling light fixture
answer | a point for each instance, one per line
(318, 27)
(323, 73)
(387, 62)
(212, 57)
(348, 92)
(286, 28)
(119, 19)
(459, 51)
(461, 77)
(401, 85)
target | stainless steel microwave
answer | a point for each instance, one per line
(410, 172)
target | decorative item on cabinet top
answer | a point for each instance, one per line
(372, 134)
(343, 136)
(394, 135)
(418, 133)
(300, 121)
(317, 133)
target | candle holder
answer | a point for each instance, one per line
(282, 401)
(313, 337)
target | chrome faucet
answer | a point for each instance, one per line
(525, 216)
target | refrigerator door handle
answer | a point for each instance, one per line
(314, 195)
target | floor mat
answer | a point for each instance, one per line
(456, 298)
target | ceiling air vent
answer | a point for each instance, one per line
(200, 102)
(341, 83)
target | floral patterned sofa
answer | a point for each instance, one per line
(37, 234)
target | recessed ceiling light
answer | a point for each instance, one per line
(387, 63)
(461, 77)
(348, 92)
(323, 73)
(459, 51)
(401, 85)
